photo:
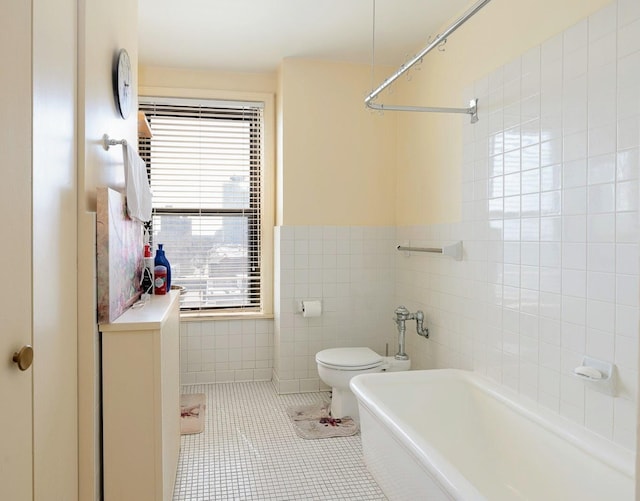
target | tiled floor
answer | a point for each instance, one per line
(249, 451)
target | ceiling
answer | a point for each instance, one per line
(255, 35)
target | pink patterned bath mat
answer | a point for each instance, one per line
(313, 421)
(192, 407)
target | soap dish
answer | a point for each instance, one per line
(597, 374)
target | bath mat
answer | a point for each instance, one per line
(313, 421)
(192, 408)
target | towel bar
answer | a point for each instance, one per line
(453, 250)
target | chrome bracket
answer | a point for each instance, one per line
(473, 110)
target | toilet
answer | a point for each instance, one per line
(336, 367)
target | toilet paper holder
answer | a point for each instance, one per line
(310, 307)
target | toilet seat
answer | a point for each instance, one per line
(349, 359)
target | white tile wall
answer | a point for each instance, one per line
(223, 351)
(351, 270)
(550, 228)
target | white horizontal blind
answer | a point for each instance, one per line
(204, 164)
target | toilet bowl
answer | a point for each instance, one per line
(336, 367)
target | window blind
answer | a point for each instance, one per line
(204, 163)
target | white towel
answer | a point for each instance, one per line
(137, 185)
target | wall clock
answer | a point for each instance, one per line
(122, 83)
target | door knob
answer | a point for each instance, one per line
(24, 357)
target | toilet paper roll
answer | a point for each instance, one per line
(311, 308)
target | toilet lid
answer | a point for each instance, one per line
(349, 358)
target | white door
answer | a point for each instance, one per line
(54, 244)
(16, 411)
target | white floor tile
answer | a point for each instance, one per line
(249, 451)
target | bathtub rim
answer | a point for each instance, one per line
(607, 452)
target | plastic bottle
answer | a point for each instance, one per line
(147, 273)
(162, 260)
(160, 280)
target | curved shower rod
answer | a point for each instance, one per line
(473, 104)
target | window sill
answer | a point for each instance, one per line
(189, 316)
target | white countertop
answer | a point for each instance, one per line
(150, 316)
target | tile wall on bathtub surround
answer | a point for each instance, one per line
(223, 351)
(550, 228)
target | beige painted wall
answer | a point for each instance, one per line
(176, 78)
(103, 28)
(429, 145)
(337, 159)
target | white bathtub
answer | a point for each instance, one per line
(450, 434)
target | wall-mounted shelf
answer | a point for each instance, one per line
(144, 129)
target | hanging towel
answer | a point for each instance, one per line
(137, 185)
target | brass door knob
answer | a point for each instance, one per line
(24, 357)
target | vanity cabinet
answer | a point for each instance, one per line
(141, 401)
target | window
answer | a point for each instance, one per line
(205, 164)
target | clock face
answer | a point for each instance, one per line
(122, 83)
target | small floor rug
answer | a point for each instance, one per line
(314, 421)
(192, 408)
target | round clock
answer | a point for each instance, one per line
(122, 83)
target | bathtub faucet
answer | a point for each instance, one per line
(401, 316)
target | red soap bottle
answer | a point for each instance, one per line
(160, 280)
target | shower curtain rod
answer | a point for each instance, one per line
(473, 104)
